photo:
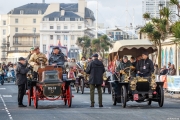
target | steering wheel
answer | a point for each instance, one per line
(128, 70)
(40, 60)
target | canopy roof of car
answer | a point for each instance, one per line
(131, 47)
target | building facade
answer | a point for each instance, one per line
(153, 7)
(37, 24)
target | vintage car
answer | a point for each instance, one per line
(139, 89)
(52, 84)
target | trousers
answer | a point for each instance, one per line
(21, 89)
(92, 88)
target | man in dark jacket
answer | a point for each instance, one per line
(95, 69)
(57, 57)
(21, 79)
(145, 67)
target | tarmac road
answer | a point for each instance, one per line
(80, 110)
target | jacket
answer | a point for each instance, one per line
(145, 67)
(123, 65)
(57, 59)
(95, 69)
(21, 71)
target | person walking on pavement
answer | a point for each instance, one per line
(95, 69)
(21, 79)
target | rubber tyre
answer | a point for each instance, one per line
(161, 96)
(35, 97)
(123, 96)
(69, 96)
(114, 99)
(29, 97)
(82, 85)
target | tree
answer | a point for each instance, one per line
(157, 30)
(176, 2)
(101, 45)
(84, 43)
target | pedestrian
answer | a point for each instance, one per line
(21, 79)
(145, 67)
(95, 70)
(164, 71)
(156, 69)
(172, 70)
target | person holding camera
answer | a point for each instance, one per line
(21, 79)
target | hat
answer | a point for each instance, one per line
(145, 53)
(125, 57)
(36, 48)
(21, 58)
(95, 55)
(31, 49)
(56, 48)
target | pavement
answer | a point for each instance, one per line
(80, 110)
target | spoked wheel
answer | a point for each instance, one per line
(35, 97)
(69, 96)
(82, 85)
(114, 99)
(29, 97)
(149, 102)
(160, 96)
(123, 96)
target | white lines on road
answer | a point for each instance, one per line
(2, 88)
(7, 95)
(9, 114)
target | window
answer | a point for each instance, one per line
(65, 27)
(16, 20)
(34, 20)
(77, 19)
(16, 40)
(56, 19)
(34, 29)
(4, 32)
(58, 27)
(67, 19)
(58, 37)
(16, 48)
(46, 19)
(51, 27)
(4, 40)
(4, 22)
(39, 12)
(51, 37)
(79, 27)
(72, 37)
(16, 29)
(44, 48)
(65, 37)
(21, 12)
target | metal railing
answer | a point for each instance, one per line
(25, 43)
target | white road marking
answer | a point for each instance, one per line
(2, 88)
(10, 117)
(7, 95)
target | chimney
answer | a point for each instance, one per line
(43, 1)
(62, 12)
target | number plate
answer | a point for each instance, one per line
(136, 97)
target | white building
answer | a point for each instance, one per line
(153, 6)
(65, 24)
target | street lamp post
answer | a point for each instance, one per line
(160, 8)
(34, 37)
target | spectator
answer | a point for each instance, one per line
(169, 65)
(156, 69)
(172, 70)
(163, 71)
(133, 61)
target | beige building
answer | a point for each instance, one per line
(26, 23)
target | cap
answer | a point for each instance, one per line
(21, 58)
(56, 48)
(31, 49)
(95, 55)
(36, 48)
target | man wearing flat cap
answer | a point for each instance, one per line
(95, 69)
(21, 79)
(57, 57)
(33, 61)
(145, 67)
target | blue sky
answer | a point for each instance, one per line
(111, 12)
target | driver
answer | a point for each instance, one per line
(33, 60)
(57, 57)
